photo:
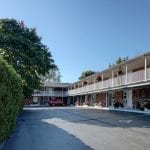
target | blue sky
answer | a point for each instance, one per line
(85, 34)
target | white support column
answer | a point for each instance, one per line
(78, 88)
(126, 80)
(72, 89)
(90, 99)
(130, 98)
(145, 68)
(112, 79)
(75, 89)
(102, 80)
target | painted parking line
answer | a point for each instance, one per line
(125, 121)
(145, 126)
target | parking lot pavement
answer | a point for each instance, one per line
(71, 128)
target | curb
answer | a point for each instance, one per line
(121, 110)
(132, 111)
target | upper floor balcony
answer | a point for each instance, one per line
(130, 73)
(51, 93)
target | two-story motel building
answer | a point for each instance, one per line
(127, 83)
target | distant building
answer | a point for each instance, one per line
(50, 90)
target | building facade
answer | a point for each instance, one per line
(51, 91)
(125, 85)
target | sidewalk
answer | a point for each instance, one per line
(117, 109)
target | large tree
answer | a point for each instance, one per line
(86, 74)
(53, 75)
(22, 48)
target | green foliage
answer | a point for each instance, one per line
(119, 60)
(23, 49)
(86, 74)
(53, 75)
(11, 99)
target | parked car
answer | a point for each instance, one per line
(56, 102)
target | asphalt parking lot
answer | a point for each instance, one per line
(71, 128)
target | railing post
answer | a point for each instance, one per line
(75, 91)
(82, 87)
(112, 79)
(145, 68)
(94, 83)
(126, 80)
(78, 90)
(68, 88)
(71, 89)
(102, 80)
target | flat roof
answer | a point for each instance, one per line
(55, 84)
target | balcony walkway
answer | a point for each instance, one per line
(122, 81)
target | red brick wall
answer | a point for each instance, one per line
(139, 94)
(101, 99)
(28, 100)
(119, 96)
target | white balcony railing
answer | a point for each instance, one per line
(136, 76)
(131, 78)
(120, 80)
(107, 83)
(148, 74)
(51, 93)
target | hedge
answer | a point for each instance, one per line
(11, 99)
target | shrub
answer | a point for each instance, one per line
(11, 99)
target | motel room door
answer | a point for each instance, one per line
(110, 99)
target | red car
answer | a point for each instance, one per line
(56, 102)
